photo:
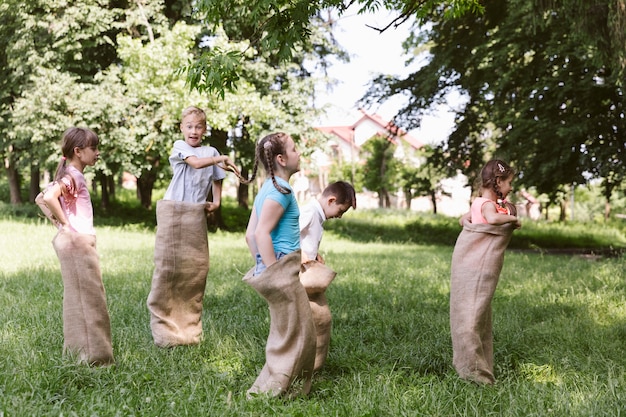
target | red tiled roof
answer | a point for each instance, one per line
(345, 132)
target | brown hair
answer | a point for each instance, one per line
(342, 191)
(266, 150)
(74, 137)
(493, 170)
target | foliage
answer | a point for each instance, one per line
(537, 94)
(558, 322)
(284, 28)
(381, 167)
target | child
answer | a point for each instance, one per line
(86, 323)
(273, 237)
(181, 253)
(335, 200)
(476, 264)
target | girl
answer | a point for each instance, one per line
(86, 324)
(273, 230)
(273, 237)
(476, 264)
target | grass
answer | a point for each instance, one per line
(559, 325)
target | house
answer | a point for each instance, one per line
(345, 146)
(349, 139)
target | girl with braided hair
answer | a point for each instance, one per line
(476, 265)
(273, 237)
(273, 230)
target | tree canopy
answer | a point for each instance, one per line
(538, 94)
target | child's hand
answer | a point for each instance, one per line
(211, 207)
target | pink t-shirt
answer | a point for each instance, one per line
(476, 210)
(77, 203)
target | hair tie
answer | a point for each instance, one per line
(500, 167)
(267, 145)
(63, 158)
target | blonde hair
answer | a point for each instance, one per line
(193, 110)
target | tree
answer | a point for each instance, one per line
(545, 98)
(283, 27)
(380, 171)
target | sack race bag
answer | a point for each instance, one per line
(290, 349)
(181, 265)
(476, 265)
(86, 323)
(315, 278)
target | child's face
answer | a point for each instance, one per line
(333, 210)
(504, 184)
(193, 128)
(291, 156)
(87, 156)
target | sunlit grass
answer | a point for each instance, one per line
(559, 328)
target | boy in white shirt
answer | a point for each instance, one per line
(334, 201)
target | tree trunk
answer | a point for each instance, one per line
(104, 189)
(14, 178)
(243, 191)
(563, 214)
(145, 185)
(433, 199)
(34, 183)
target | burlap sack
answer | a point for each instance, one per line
(476, 265)
(290, 349)
(315, 278)
(86, 324)
(181, 265)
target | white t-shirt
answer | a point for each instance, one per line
(188, 183)
(311, 219)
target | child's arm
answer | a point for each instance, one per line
(217, 197)
(197, 162)
(493, 217)
(250, 233)
(467, 216)
(51, 198)
(271, 212)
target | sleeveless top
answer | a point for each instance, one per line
(476, 209)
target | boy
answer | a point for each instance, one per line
(334, 201)
(181, 251)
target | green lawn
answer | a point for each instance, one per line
(559, 326)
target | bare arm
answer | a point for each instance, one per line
(51, 198)
(271, 212)
(217, 197)
(197, 163)
(493, 217)
(250, 240)
(467, 216)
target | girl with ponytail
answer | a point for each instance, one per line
(86, 324)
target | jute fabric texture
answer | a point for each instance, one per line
(86, 323)
(181, 265)
(476, 265)
(290, 349)
(315, 278)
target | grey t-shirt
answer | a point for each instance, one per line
(190, 184)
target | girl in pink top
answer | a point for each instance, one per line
(475, 270)
(86, 323)
(491, 206)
